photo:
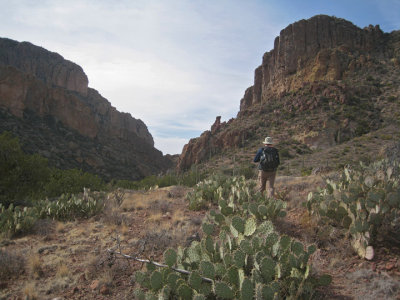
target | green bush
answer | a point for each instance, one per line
(306, 171)
(25, 178)
(284, 153)
(246, 170)
(71, 182)
(365, 203)
(22, 177)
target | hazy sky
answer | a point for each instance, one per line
(176, 65)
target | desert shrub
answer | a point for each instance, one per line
(168, 180)
(25, 178)
(22, 176)
(306, 171)
(71, 182)
(192, 177)
(284, 153)
(365, 203)
(11, 265)
(246, 170)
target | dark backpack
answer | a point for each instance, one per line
(269, 160)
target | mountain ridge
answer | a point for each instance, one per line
(38, 84)
(321, 85)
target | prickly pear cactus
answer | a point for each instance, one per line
(240, 256)
(364, 203)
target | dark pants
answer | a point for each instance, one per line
(263, 177)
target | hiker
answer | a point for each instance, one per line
(268, 158)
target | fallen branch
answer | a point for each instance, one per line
(156, 264)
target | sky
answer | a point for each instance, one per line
(174, 64)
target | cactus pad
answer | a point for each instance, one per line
(223, 291)
(185, 292)
(238, 224)
(250, 227)
(285, 242)
(208, 228)
(207, 269)
(246, 247)
(170, 257)
(262, 210)
(195, 280)
(267, 269)
(172, 280)
(239, 258)
(156, 281)
(246, 290)
(297, 248)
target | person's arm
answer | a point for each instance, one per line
(258, 155)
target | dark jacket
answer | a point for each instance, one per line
(259, 153)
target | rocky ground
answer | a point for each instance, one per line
(70, 260)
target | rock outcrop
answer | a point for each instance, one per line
(306, 71)
(47, 66)
(321, 48)
(45, 101)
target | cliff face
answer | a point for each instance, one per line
(314, 68)
(47, 66)
(41, 89)
(321, 48)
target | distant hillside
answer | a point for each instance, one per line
(328, 93)
(46, 102)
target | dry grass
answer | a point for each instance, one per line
(294, 189)
(177, 192)
(156, 218)
(95, 265)
(60, 227)
(178, 217)
(369, 285)
(162, 206)
(34, 265)
(124, 229)
(143, 200)
(63, 270)
(29, 291)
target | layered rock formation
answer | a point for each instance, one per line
(321, 48)
(45, 100)
(312, 68)
(47, 66)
